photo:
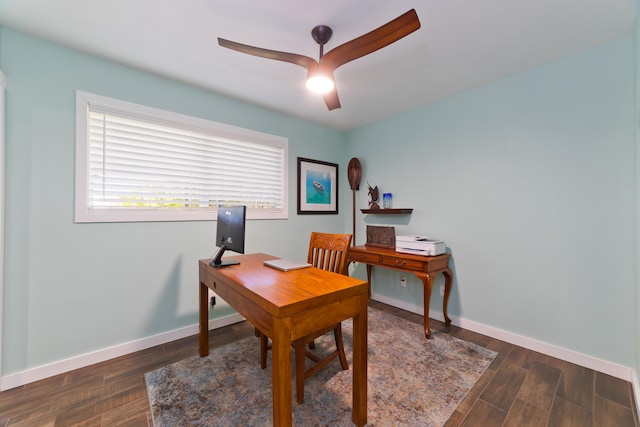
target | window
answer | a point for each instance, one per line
(136, 163)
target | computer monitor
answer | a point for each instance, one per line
(229, 233)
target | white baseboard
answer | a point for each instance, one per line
(613, 369)
(636, 387)
(62, 366)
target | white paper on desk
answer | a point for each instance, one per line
(286, 264)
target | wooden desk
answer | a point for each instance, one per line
(425, 267)
(287, 306)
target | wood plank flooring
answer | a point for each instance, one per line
(521, 388)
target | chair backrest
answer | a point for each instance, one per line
(329, 251)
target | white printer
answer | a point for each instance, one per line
(420, 245)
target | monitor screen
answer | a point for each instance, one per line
(229, 233)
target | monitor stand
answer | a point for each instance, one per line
(223, 263)
(218, 262)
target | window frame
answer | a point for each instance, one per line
(83, 212)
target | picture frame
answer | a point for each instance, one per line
(317, 187)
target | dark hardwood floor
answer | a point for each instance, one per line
(521, 388)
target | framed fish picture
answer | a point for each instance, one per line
(317, 187)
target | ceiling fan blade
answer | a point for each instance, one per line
(331, 99)
(382, 36)
(294, 58)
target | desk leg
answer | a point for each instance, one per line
(427, 282)
(281, 372)
(204, 320)
(359, 411)
(448, 280)
(369, 278)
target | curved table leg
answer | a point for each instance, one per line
(448, 279)
(427, 282)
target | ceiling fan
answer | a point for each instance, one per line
(320, 76)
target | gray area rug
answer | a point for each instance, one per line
(412, 381)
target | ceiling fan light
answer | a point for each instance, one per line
(320, 84)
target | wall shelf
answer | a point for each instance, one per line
(387, 211)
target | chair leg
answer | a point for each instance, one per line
(264, 342)
(337, 334)
(300, 355)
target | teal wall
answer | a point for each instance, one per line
(636, 128)
(530, 181)
(73, 288)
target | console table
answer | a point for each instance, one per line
(424, 267)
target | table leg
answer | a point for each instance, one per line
(369, 278)
(204, 320)
(359, 410)
(448, 280)
(427, 282)
(281, 372)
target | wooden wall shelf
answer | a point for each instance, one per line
(387, 211)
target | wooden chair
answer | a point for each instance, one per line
(327, 252)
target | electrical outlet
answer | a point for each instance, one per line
(441, 290)
(403, 282)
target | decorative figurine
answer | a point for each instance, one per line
(373, 193)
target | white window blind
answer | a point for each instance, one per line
(146, 164)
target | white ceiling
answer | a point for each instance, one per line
(462, 44)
